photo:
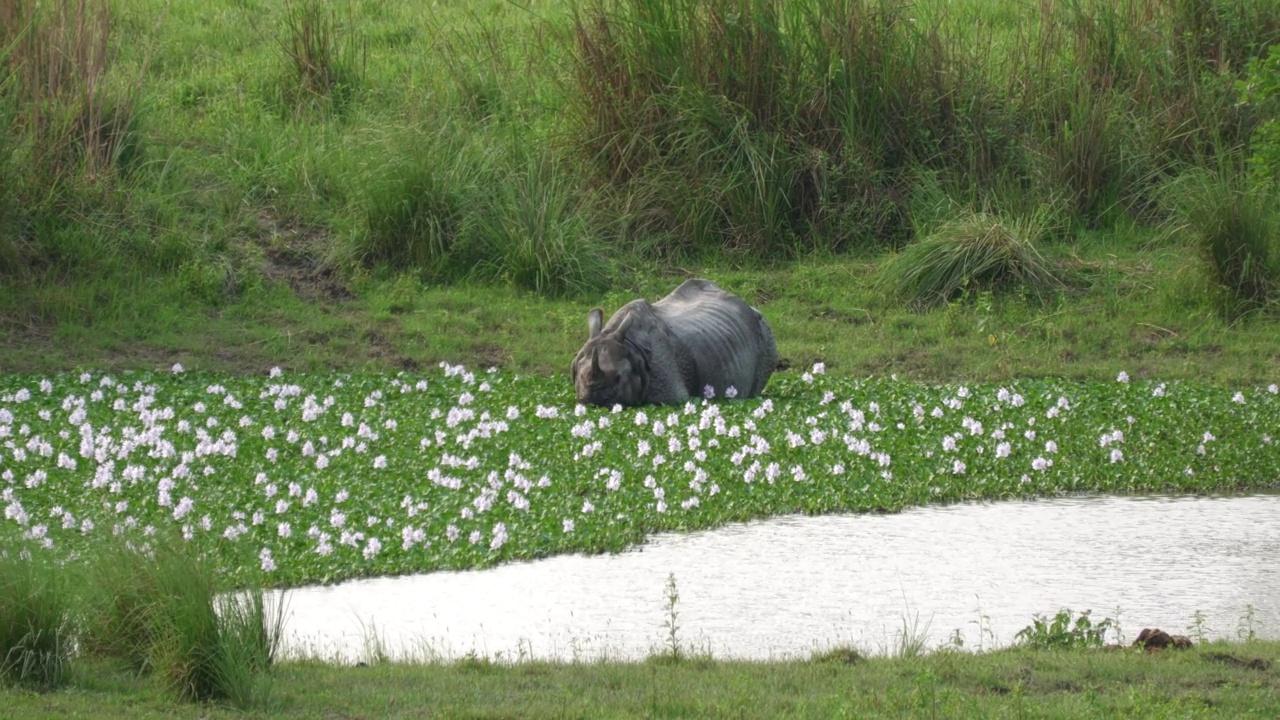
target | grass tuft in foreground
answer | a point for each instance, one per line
(35, 624)
(162, 614)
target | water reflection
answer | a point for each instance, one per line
(786, 586)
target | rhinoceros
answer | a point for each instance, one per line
(696, 338)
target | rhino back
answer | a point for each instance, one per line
(727, 339)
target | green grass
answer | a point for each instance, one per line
(1211, 680)
(974, 253)
(377, 187)
(167, 614)
(569, 147)
(1237, 230)
(36, 615)
(1134, 305)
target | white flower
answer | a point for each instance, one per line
(268, 563)
(1116, 455)
(708, 392)
(568, 525)
(1122, 377)
(732, 392)
(177, 368)
(499, 536)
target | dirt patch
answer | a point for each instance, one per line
(831, 314)
(293, 254)
(1233, 661)
(487, 356)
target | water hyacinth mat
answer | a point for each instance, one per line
(318, 478)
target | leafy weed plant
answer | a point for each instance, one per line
(1061, 632)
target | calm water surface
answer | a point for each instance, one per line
(787, 586)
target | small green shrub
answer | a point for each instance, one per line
(1061, 631)
(35, 623)
(1261, 89)
(978, 251)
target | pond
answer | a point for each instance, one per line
(784, 587)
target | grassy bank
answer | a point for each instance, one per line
(1144, 311)
(381, 186)
(1213, 680)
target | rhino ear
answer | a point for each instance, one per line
(625, 325)
(595, 320)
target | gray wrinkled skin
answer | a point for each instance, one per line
(669, 351)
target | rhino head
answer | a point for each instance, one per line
(609, 369)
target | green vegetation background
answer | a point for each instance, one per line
(941, 190)
(959, 190)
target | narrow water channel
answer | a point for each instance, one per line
(787, 586)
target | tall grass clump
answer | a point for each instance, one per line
(764, 125)
(77, 129)
(165, 615)
(13, 251)
(1122, 96)
(1237, 231)
(36, 628)
(977, 251)
(538, 232)
(416, 210)
(777, 127)
(325, 59)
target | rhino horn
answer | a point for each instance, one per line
(595, 319)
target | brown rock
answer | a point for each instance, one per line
(1157, 639)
